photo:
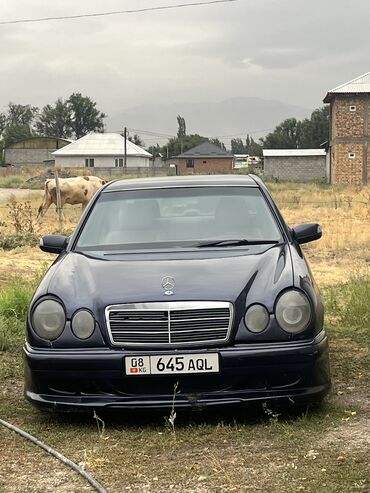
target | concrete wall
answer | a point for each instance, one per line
(350, 134)
(33, 152)
(205, 165)
(101, 161)
(115, 173)
(295, 168)
(27, 157)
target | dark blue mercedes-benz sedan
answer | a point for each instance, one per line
(185, 289)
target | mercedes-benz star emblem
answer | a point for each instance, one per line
(168, 283)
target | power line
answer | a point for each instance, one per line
(227, 137)
(151, 132)
(116, 12)
(246, 133)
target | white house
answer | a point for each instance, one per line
(101, 150)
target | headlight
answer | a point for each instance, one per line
(48, 319)
(256, 318)
(83, 324)
(293, 311)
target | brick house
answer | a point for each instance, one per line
(205, 158)
(349, 137)
(294, 164)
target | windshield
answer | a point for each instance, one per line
(178, 218)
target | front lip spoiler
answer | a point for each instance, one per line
(194, 402)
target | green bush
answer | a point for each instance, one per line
(16, 240)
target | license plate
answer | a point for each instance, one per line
(172, 364)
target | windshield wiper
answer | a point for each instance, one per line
(239, 242)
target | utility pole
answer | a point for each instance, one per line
(125, 152)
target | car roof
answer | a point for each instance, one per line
(182, 181)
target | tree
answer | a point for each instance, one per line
(155, 150)
(309, 133)
(136, 139)
(218, 143)
(15, 133)
(2, 123)
(85, 117)
(315, 131)
(19, 114)
(237, 146)
(177, 145)
(252, 148)
(55, 120)
(285, 136)
(181, 132)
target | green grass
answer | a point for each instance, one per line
(14, 302)
(348, 306)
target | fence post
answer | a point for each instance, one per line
(59, 201)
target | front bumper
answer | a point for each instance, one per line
(95, 378)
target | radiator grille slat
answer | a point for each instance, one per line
(169, 323)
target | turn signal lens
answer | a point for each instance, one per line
(256, 318)
(293, 311)
(83, 324)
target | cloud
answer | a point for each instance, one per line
(274, 49)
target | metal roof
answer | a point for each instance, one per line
(293, 152)
(39, 137)
(358, 85)
(206, 149)
(183, 181)
(101, 144)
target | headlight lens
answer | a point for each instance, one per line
(48, 319)
(256, 318)
(293, 311)
(83, 324)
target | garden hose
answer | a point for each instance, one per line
(97, 486)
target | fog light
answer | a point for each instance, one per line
(256, 318)
(83, 324)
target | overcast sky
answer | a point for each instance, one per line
(288, 50)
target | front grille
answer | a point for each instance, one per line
(169, 323)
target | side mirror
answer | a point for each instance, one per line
(53, 243)
(304, 233)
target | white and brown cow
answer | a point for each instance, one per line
(73, 191)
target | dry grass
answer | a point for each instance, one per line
(343, 212)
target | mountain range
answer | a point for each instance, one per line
(233, 117)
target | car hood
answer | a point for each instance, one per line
(83, 281)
